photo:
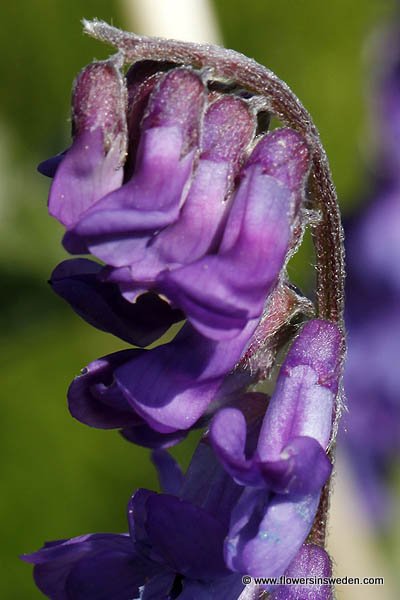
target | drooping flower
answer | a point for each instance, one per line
(195, 218)
(191, 215)
(102, 306)
(206, 531)
(155, 395)
(174, 549)
(285, 466)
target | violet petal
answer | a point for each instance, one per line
(142, 434)
(90, 567)
(197, 554)
(100, 304)
(303, 468)
(267, 531)
(169, 472)
(171, 386)
(302, 403)
(228, 434)
(118, 227)
(227, 130)
(228, 588)
(92, 167)
(95, 400)
(220, 293)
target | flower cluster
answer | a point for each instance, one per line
(193, 207)
(372, 426)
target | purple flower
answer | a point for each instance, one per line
(192, 214)
(174, 549)
(194, 210)
(93, 164)
(286, 470)
(168, 387)
(102, 306)
(198, 224)
(205, 531)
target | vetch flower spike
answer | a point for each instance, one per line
(279, 100)
(195, 209)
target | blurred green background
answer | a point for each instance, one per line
(60, 478)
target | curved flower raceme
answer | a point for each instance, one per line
(173, 182)
(285, 472)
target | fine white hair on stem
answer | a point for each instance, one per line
(189, 20)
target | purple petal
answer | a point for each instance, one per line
(159, 587)
(303, 466)
(310, 561)
(285, 155)
(227, 130)
(49, 167)
(189, 538)
(141, 79)
(172, 385)
(228, 434)
(207, 485)
(137, 517)
(92, 167)
(143, 435)
(267, 531)
(302, 403)
(169, 472)
(84, 176)
(101, 304)
(319, 346)
(303, 469)
(94, 399)
(118, 228)
(108, 576)
(221, 293)
(94, 567)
